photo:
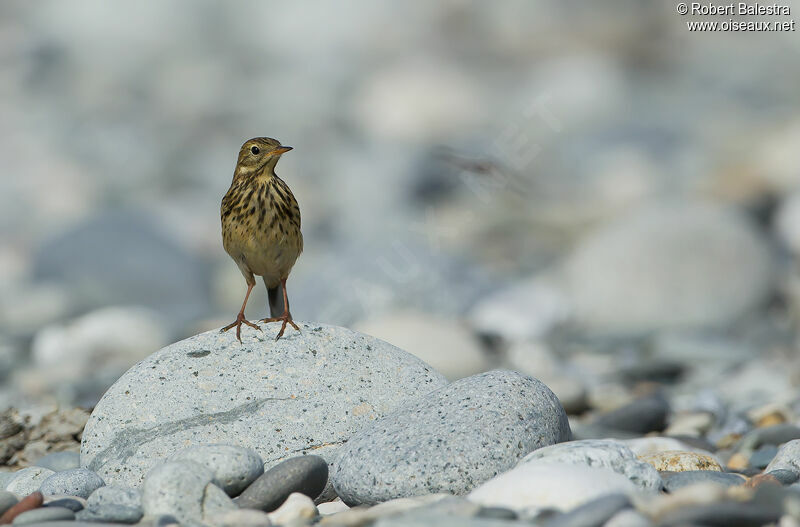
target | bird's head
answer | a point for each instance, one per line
(259, 153)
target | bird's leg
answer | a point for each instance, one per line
(286, 318)
(240, 317)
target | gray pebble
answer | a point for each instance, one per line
(592, 514)
(644, 415)
(451, 440)
(59, 461)
(676, 480)
(113, 504)
(28, 480)
(44, 514)
(785, 477)
(5, 478)
(763, 456)
(176, 488)
(723, 514)
(787, 458)
(305, 474)
(769, 435)
(7, 500)
(234, 467)
(67, 502)
(73, 482)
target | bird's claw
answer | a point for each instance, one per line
(238, 324)
(286, 318)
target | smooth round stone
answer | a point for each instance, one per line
(681, 461)
(113, 504)
(234, 467)
(600, 453)
(240, 518)
(763, 456)
(182, 489)
(72, 503)
(595, 512)
(304, 474)
(297, 507)
(542, 486)
(28, 480)
(676, 480)
(769, 435)
(787, 457)
(648, 414)
(451, 440)
(74, 482)
(59, 461)
(44, 514)
(628, 518)
(306, 393)
(785, 477)
(7, 500)
(721, 514)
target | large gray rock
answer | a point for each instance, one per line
(451, 440)
(600, 453)
(668, 266)
(309, 392)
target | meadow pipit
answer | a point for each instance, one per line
(261, 227)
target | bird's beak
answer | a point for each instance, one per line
(281, 150)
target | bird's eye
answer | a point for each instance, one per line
(255, 150)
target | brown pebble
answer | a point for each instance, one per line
(28, 503)
(762, 479)
(738, 461)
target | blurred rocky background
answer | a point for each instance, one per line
(585, 192)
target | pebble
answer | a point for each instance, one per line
(628, 518)
(302, 474)
(622, 278)
(721, 515)
(496, 513)
(594, 512)
(30, 502)
(180, 488)
(7, 500)
(296, 507)
(787, 457)
(73, 482)
(28, 480)
(59, 461)
(784, 477)
(234, 467)
(676, 480)
(306, 393)
(681, 461)
(559, 486)
(332, 507)
(445, 344)
(113, 504)
(770, 435)
(358, 516)
(642, 446)
(240, 518)
(644, 415)
(600, 453)
(73, 503)
(44, 514)
(451, 440)
(763, 456)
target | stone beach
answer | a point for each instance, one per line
(551, 269)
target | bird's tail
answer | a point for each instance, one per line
(275, 300)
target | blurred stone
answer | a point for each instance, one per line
(26, 307)
(441, 342)
(169, 280)
(668, 266)
(681, 461)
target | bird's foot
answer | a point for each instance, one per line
(238, 324)
(286, 318)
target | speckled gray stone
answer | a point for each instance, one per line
(183, 489)
(74, 482)
(59, 461)
(676, 480)
(7, 500)
(787, 458)
(44, 514)
(305, 474)
(451, 440)
(113, 504)
(603, 453)
(28, 480)
(308, 392)
(234, 467)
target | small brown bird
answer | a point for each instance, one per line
(261, 227)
